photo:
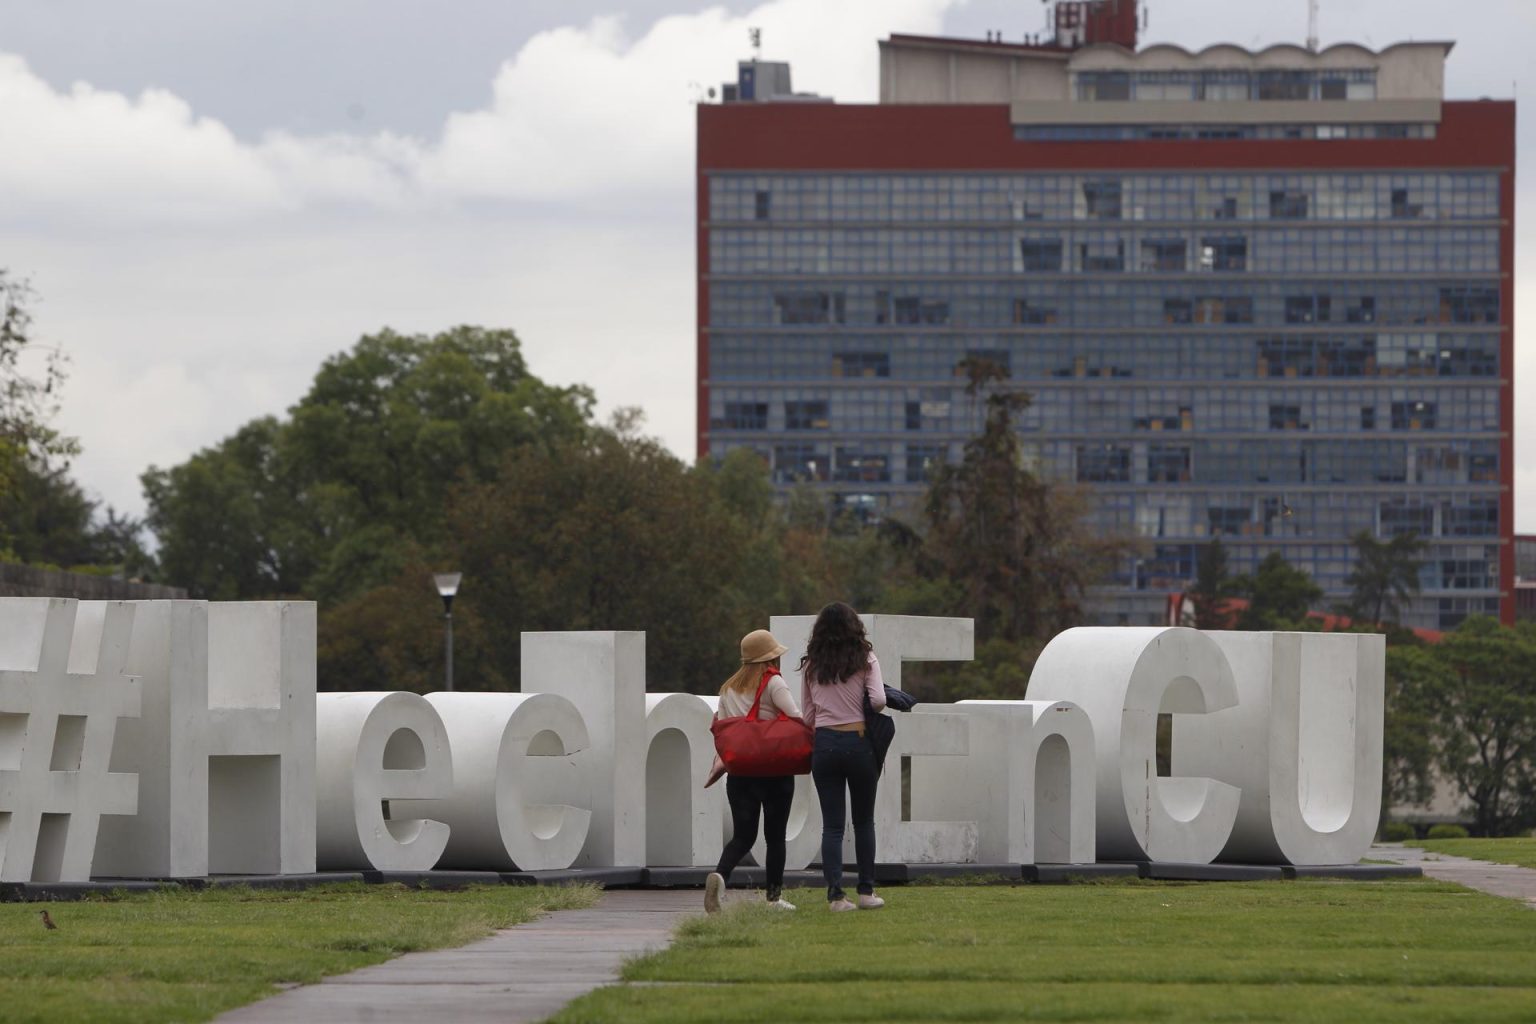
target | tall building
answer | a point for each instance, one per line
(1257, 295)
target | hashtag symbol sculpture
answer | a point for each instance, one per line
(62, 690)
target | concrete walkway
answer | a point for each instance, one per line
(1499, 879)
(521, 974)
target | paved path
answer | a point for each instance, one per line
(521, 974)
(1499, 879)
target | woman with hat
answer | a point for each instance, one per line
(769, 796)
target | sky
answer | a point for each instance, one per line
(210, 199)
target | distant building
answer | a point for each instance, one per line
(1262, 296)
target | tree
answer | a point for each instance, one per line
(45, 517)
(1015, 546)
(32, 452)
(1413, 677)
(1481, 680)
(325, 502)
(1386, 575)
(28, 400)
(1213, 587)
(610, 532)
(1279, 595)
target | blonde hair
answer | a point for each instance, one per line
(746, 678)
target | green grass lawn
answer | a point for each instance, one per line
(186, 956)
(1405, 950)
(1520, 851)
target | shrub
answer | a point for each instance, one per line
(1397, 831)
(1446, 832)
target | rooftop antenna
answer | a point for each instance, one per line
(1312, 25)
(756, 36)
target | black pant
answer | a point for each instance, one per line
(842, 760)
(771, 796)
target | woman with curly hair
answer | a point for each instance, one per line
(838, 673)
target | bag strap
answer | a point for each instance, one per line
(768, 673)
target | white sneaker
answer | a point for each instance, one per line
(713, 884)
(781, 904)
(838, 906)
(870, 902)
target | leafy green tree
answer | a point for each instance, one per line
(611, 532)
(1385, 576)
(325, 502)
(45, 517)
(1015, 545)
(1213, 587)
(1279, 595)
(28, 397)
(1481, 679)
(1413, 676)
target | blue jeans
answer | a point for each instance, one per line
(844, 762)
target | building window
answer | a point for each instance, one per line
(855, 466)
(1469, 305)
(1103, 464)
(1164, 254)
(1218, 309)
(1285, 417)
(1224, 252)
(1040, 254)
(1413, 415)
(1367, 417)
(762, 204)
(1102, 199)
(1168, 465)
(795, 462)
(1024, 313)
(1362, 312)
(806, 416)
(1402, 209)
(1333, 89)
(1288, 205)
(861, 364)
(1283, 85)
(912, 310)
(1178, 311)
(1229, 520)
(1307, 309)
(999, 357)
(923, 462)
(1104, 85)
(1102, 256)
(745, 416)
(809, 307)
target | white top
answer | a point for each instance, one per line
(776, 698)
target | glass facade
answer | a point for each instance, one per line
(1279, 359)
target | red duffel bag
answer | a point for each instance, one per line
(754, 747)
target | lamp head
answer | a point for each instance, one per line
(447, 584)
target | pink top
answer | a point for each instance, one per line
(842, 703)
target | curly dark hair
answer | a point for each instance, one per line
(838, 647)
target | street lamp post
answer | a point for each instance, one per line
(447, 586)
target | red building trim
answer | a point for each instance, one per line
(979, 137)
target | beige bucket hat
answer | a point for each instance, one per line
(759, 645)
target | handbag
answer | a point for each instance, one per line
(754, 747)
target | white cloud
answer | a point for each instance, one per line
(578, 113)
